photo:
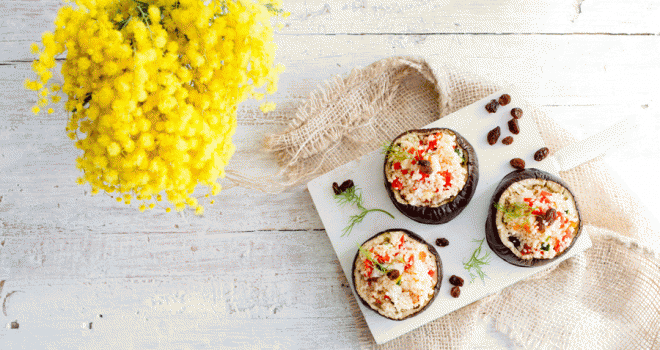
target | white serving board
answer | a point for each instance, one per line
(474, 123)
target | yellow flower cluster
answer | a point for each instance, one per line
(153, 88)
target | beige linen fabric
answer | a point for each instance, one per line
(605, 298)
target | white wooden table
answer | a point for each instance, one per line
(257, 270)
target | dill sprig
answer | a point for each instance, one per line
(477, 260)
(353, 195)
(379, 266)
(395, 152)
(514, 211)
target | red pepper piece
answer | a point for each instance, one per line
(404, 171)
(447, 175)
(411, 150)
(431, 273)
(433, 144)
(396, 184)
(397, 165)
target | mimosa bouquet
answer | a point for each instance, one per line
(152, 89)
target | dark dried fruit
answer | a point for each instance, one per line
(516, 113)
(494, 135)
(515, 241)
(425, 167)
(455, 291)
(541, 154)
(346, 185)
(393, 274)
(491, 107)
(518, 163)
(372, 279)
(14, 325)
(507, 140)
(504, 100)
(539, 222)
(550, 216)
(513, 126)
(455, 280)
(335, 188)
(441, 242)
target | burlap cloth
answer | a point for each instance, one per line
(605, 298)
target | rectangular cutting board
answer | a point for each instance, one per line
(474, 123)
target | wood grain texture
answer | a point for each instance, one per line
(257, 270)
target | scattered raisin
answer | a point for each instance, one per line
(507, 140)
(518, 163)
(13, 325)
(539, 222)
(455, 280)
(456, 291)
(550, 216)
(494, 135)
(89, 325)
(513, 126)
(441, 242)
(393, 274)
(491, 107)
(372, 279)
(346, 185)
(425, 167)
(515, 241)
(516, 113)
(335, 188)
(504, 100)
(541, 154)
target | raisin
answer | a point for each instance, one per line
(456, 291)
(541, 154)
(393, 274)
(14, 325)
(516, 113)
(494, 135)
(513, 126)
(346, 185)
(504, 100)
(372, 279)
(335, 188)
(518, 163)
(491, 107)
(441, 242)
(425, 167)
(539, 222)
(507, 140)
(515, 241)
(550, 216)
(455, 280)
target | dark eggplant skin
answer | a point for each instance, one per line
(492, 236)
(448, 211)
(415, 237)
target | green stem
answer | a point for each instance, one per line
(380, 210)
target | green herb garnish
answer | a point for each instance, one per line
(460, 154)
(395, 152)
(353, 195)
(545, 246)
(378, 265)
(514, 211)
(473, 266)
(566, 211)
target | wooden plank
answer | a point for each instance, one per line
(28, 19)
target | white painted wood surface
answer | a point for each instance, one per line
(257, 270)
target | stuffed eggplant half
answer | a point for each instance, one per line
(431, 174)
(533, 218)
(397, 274)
